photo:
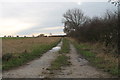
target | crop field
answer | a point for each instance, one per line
(17, 46)
(17, 51)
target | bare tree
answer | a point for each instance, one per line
(115, 2)
(73, 19)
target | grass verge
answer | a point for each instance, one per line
(62, 59)
(65, 46)
(100, 62)
(25, 57)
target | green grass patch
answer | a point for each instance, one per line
(61, 60)
(65, 48)
(107, 66)
(25, 57)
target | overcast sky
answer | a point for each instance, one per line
(23, 17)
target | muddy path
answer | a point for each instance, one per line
(80, 68)
(35, 68)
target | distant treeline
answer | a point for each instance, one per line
(58, 36)
(41, 35)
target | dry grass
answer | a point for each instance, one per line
(103, 52)
(17, 46)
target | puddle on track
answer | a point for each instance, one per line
(57, 48)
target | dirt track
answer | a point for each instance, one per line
(80, 68)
